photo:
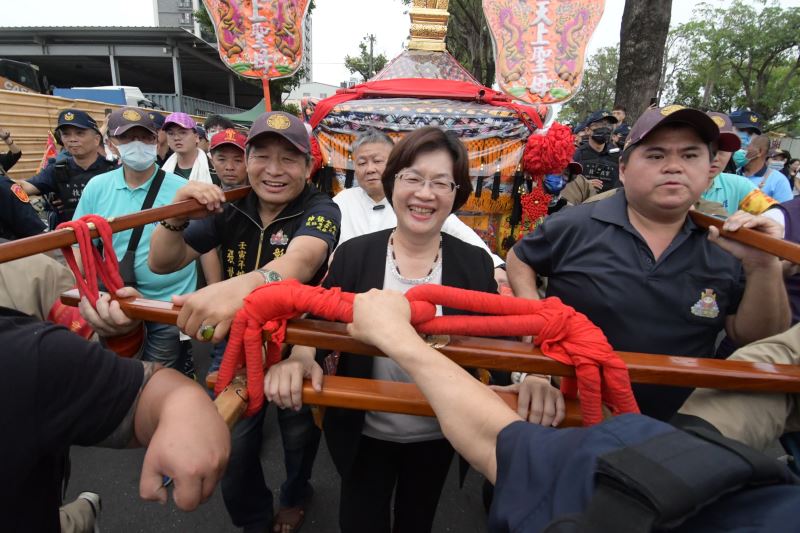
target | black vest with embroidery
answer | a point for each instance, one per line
(246, 246)
(70, 184)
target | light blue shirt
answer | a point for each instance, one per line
(776, 185)
(729, 190)
(108, 195)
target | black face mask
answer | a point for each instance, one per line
(601, 135)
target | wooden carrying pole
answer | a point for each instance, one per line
(497, 354)
(778, 247)
(66, 237)
(60, 238)
(337, 391)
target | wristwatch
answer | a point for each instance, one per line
(270, 276)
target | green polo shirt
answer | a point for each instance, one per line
(108, 195)
(729, 190)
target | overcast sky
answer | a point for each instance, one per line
(338, 25)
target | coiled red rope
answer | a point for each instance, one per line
(561, 333)
(95, 264)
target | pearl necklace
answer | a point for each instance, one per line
(395, 270)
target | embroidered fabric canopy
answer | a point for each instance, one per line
(492, 127)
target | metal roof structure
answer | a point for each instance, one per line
(155, 59)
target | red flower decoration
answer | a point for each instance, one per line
(549, 153)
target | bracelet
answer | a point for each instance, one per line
(175, 228)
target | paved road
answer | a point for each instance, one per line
(115, 475)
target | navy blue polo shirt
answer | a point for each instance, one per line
(546, 473)
(45, 180)
(597, 262)
(18, 219)
(245, 245)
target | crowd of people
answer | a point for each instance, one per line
(622, 251)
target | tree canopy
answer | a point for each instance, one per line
(597, 87)
(361, 63)
(745, 55)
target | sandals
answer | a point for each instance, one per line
(292, 517)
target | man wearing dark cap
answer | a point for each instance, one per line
(641, 270)
(282, 229)
(125, 190)
(747, 125)
(65, 177)
(599, 156)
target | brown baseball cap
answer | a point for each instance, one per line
(672, 114)
(728, 140)
(287, 126)
(125, 118)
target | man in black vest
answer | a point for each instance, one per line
(66, 175)
(599, 156)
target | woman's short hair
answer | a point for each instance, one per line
(424, 140)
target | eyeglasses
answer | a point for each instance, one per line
(415, 182)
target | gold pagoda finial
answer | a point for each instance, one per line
(428, 25)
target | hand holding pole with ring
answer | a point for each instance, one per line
(205, 333)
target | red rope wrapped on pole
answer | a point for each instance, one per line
(561, 332)
(106, 267)
(95, 264)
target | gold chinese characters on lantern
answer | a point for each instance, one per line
(540, 45)
(259, 38)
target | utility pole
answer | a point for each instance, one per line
(371, 38)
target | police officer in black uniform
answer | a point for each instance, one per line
(18, 219)
(599, 156)
(65, 175)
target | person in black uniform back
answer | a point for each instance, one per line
(599, 156)
(18, 219)
(65, 176)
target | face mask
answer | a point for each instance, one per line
(740, 158)
(553, 183)
(137, 155)
(744, 137)
(601, 135)
(776, 165)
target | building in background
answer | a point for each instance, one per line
(311, 89)
(176, 14)
(307, 50)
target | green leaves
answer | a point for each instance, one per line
(745, 55)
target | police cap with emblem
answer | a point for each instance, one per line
(77, 118)
(656, 117)
(597, 116)
(123, 119)
(287, 126)
(746, 120)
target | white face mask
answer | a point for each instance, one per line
(775, 165)
(137, 155)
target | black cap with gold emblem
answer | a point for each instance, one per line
(79, 119)
(287, 126)
(125, 118)
(656, 117)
